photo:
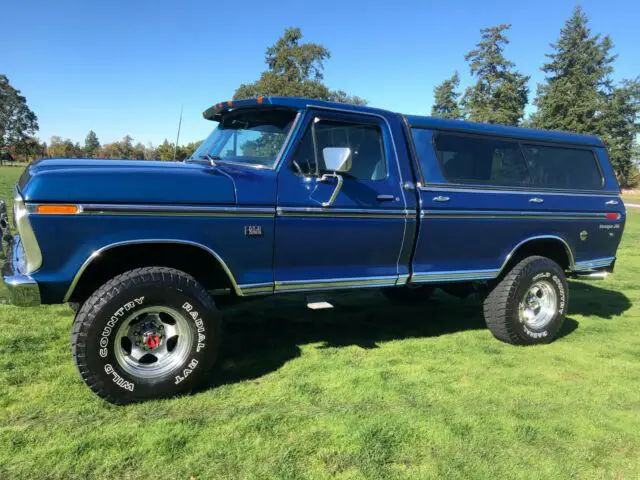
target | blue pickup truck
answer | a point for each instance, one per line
(290, 195)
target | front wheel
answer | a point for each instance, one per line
(148, 333)
(528, 304)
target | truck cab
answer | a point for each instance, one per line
(292, 194)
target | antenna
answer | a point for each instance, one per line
(175, 149)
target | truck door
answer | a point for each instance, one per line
(341, 229)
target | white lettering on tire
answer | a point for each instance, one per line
(563, 297)
(187, 371)
(541, 275)
(115, 318)
(535, 334)
(187, 307)
(117, 379)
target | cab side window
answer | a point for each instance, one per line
(467, 159)
(365, 141)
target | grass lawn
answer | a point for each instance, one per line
(367, 390)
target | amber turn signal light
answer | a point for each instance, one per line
(57, 209)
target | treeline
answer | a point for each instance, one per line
(59, 147)
(125, 149)
(577, 94)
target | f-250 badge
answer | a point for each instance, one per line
(253, 230)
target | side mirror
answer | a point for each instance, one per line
(337, 159)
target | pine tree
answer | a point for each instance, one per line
(295, 69)
(620, 127)
(500, 92)
(91, 145)
(577, 79)
(445, 102)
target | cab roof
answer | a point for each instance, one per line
(216, 111)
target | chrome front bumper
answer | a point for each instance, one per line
(22, 290)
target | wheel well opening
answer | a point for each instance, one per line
(195, 261)
(544, 247)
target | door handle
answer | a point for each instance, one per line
(385, 198)
(536, 200)
(440, 198)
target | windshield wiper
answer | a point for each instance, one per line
(211, 158)
(206, 156)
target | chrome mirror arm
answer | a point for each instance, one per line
(336, 191)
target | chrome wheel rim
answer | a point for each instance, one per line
(539, 305)
(153, 342)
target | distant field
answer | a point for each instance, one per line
(367, 390)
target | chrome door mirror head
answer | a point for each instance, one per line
(337, 159)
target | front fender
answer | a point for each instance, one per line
(69, 242)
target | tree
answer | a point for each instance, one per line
(294, 70)
(166, 150)
(138, 151)
(150, 152)
(64, 148)
(445, 103)
(17, 122)
(188, 149)
(91, 145)
(577, 79)
(110, 150)
(126, 147)
(500, 92)
(30, 149)
(620, 125)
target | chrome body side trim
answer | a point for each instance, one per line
(167, 210)
(472, 275)
(101, 250)
(343, 212)
(453, 276)
(511, 214)
(566, 245)
(593, 264)
(446, 187)
(335, 283)
(256, 288)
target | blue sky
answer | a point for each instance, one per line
(121, 67)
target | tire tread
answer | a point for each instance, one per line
(86, 314)
(496, 304)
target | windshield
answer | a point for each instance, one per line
(252, 137)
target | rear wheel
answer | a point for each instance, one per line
(408, 293)
(148, 333)
(528, 305)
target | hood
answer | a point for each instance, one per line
(126, 181)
